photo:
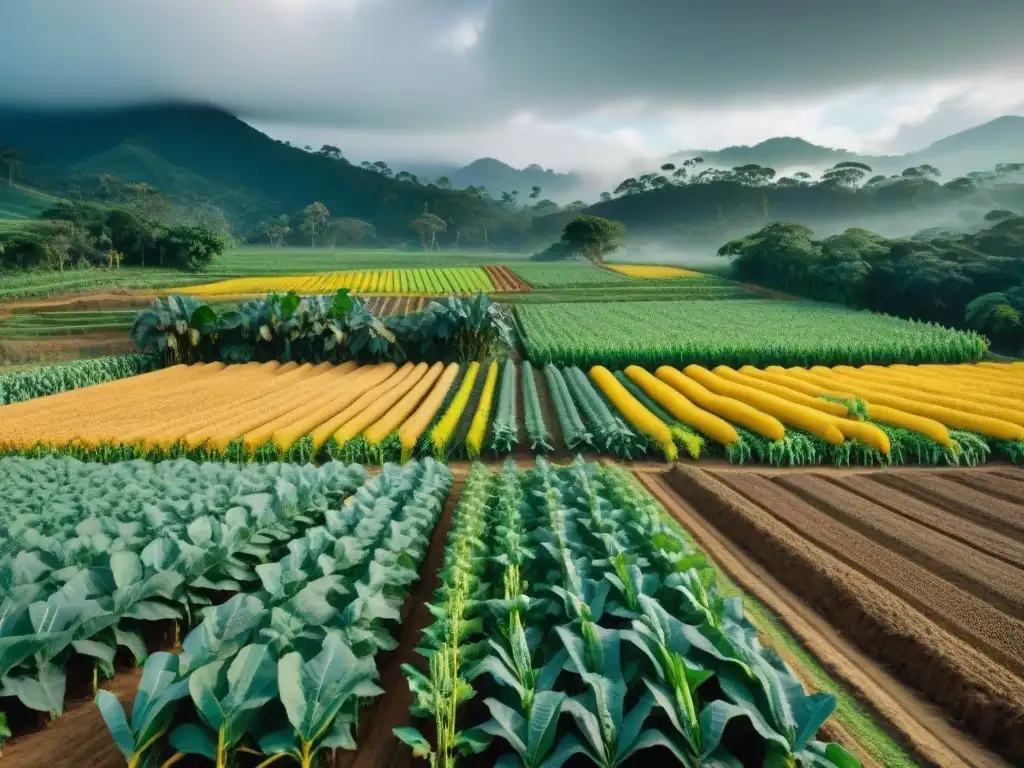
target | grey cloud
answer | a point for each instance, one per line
(383, 63)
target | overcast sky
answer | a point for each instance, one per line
(564, 83)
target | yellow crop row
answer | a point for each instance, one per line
(648, 271)
(416, 282)
(830, 403)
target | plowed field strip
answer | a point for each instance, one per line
(978, 536)
(1003, 516)
(990, 579)
(1010, 474)
(926, 733)
(958, 611)
(993, 484)
(986, 697)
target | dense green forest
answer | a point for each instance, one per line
(973, 280)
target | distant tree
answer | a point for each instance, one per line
(605, 197)
(427, 225)
(275, 230)
(405, 176)
(350, 231)
(510, 199)
(544, 207)
(576, 205)
(192, 248)
(444, 182)
(1000, 214)
(308, 148)
(313, 217)
(330, 152)
(846, 174)
(679, 175)
(666, 167)
(753, 175)
(630, 186)
(593, 236)
(802, 176)
(994, 315)
(874, 180)
(961, 185)
(382, 168)
(535, 192)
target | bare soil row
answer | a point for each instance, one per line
(918, 588)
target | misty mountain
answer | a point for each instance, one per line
(497, 177)
(202, 154)
(979, 148)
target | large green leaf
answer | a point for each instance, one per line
(113, 715)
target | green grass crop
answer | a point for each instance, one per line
(729, 332)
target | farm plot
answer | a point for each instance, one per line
(649, 271)
(385, 306)
(749, 332)
(545, 618)
(933, 596)
(28, 325)
(417, 282)
(271, 573)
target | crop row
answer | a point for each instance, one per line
(290, 578)
(384, 412)
(591, 628)
(429, 282)
(749, 332)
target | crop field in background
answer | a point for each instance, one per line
(416, 282)
(750, 332)
(648, 271)
(384, 412)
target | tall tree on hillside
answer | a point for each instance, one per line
(846, 174)
(667, 167)
(535, 192)
(330, 152)
(605, 197)
(313, 216)
(349, 231)
(427, 225)
(443, 182)
(593, 236)
(510, 199)
(11, 159)
(382, 168)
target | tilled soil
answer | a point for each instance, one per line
(890, 587)
(505, 279)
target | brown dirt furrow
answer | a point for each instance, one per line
(378, 746)
(994, 581)
(909, 719)
(1010, 473)
(984, 696)
(994, 484)
(959, 612)
(960, 528)
(77, 738)
(1003, 516)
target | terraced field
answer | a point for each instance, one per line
(931, 586)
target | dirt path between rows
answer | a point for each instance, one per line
(913, 721)
(378, 746)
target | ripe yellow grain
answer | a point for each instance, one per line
(731, 408)
(788, 412)
(650, 271)
(360, 421)
(1011, 415)
(951, 417)
(357, 385)
(310, 400)
(478, 427)
(930, 428)
(635, 412)
(944, 386)
(417, 423)
(443, 430)
(664, 392)
(398, 413)
(322, 433)
(747, 377)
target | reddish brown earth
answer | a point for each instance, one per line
(505, 279)
(916, 591)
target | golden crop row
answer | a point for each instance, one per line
(253, 405)
(426, 281)
(987, 399)
(649, 271)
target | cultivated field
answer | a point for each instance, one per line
(924, 571)
(755, 332)
(381, 412)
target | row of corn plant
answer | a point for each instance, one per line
(280, 671)
(506, 419)
(611, 434)
(574, 432)
(536, 429)
(450, 643)
(609, 638)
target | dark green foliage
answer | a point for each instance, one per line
(973, 280)
(51, 379)
(286, 327)
(592, 237)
